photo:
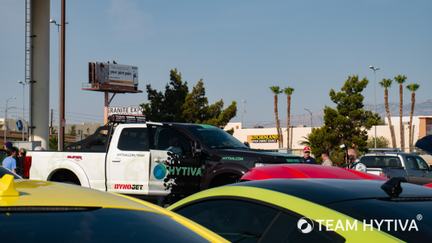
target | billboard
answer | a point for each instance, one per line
(113, 76)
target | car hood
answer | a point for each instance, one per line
(425, 143)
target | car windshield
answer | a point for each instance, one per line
(63, 224)
(215, 138)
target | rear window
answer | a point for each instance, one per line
(91, 225)
(381, 161)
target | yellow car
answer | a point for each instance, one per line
(40, 211)
(314, 210)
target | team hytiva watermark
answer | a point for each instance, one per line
(306, 225)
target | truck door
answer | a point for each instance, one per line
(128, 160)
(416, 166)
(172, 168)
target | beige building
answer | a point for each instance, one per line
(266, 138)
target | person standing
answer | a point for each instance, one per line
(20, 161)
(326, 159)
(307, 157)
(10, 161)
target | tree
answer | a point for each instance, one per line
(347, 124)
(276, 91)
(381, 142)
(176, 104)
(400, 79)
(386, 83)
(288, 91)
(53, 142)
(72, 130)
(167, 106)
(196, 108)
(413, 87)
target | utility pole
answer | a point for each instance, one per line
(5, 119)
(51, 123)
(374, 69)
(62, 120)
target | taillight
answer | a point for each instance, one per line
(27, 165)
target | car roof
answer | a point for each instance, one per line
(291, 171)
(324, 191)
(31, 193)
(45, 193)
(389, 154)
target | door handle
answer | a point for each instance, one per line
(116, 161)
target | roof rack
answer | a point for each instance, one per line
(383, 150)
(126, 119)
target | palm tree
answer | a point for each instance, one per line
(413, 87)
(386, 83)
(288, 91)
(400, 79)
(276, 91)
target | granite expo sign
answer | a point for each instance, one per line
(126, 110)
(263, 138)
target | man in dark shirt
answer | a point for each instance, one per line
(306, 156)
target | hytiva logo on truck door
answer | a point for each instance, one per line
(160, 171)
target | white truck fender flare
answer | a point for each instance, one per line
(74, 168)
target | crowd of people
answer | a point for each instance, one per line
(14, 160)
(326, 161)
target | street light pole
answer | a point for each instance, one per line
(374, 69)
(310, 113)
(62, 54)
(23, 83)
(5, 119)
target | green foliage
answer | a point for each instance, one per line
(346, 124)
(177, 104)
(288, 91)
(400, 79)
(276, 90)
(386, 83)
(381, 142)
(167, 106)
(53, 142)
(413, 87)
(72, 130)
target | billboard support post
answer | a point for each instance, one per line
(107, 102)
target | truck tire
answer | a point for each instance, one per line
(224, 179)
(65, 176)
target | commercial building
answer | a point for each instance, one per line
(266, 138)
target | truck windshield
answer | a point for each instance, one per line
(215, 138)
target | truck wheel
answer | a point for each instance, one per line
(224, 179)
(65, 176)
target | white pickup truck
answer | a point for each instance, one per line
(152, 159)
(128, 167)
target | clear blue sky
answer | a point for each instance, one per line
(240, 48)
